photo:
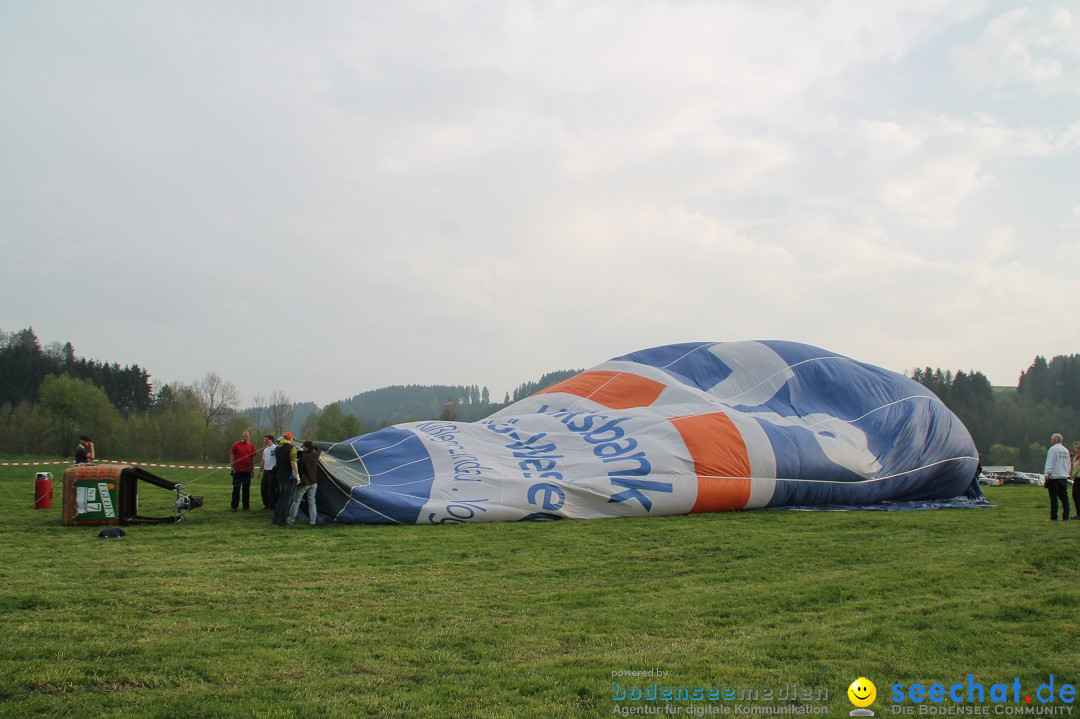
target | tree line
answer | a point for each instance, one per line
(49, 396)
(24, 365)
(1012, 426)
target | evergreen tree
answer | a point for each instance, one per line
(1063, 380)
(1033, 380)
(23, 367)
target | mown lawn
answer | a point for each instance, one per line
(224, 615)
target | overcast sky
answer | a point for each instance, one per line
(330, 197)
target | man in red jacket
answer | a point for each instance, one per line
(242, 461)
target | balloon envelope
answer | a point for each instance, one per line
(696, 427)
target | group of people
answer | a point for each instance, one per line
(1058, 471)
(287, 476)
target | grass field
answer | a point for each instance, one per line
(223, 615)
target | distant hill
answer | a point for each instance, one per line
(301, 411)
(407, 403)
(391, 405)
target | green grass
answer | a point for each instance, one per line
(224, 615)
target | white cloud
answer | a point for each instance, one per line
(1038, 48)
(929, 169)
(482, 192)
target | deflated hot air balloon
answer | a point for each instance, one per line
(698, 427)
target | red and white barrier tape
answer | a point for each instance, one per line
(118, 461)
(169, 466)
(29, 464)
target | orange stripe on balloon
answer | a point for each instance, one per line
(721, 461)
(614, 390)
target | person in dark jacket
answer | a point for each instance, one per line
(85, 451)
(288, 475)
(309, 477)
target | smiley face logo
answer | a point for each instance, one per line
(862, 692)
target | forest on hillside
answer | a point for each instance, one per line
(1012, 426)
(391, 405)
(49, 396)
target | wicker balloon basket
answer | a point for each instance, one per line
(108, 494)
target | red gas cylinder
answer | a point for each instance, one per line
(43, 491)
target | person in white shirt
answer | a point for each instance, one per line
(268, 486)
(1057, 470)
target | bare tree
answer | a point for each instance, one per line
(281, 411)
(259, 412)
(451, 411)
(217, 398)
(54, 351)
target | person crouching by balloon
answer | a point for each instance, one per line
(309, 476)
